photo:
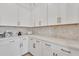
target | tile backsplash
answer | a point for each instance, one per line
(12, 29)
(63, 31)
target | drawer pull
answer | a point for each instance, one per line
(38, 41)
(21, 45)
(12, 41)
(33, 45)
(47, 44)
(65, 51)
(54, 54)
(31, 39)
(24, 39)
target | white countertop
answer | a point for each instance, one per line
(65, 42)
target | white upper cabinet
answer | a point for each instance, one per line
(23, 17)
(52, 13)
(61, 13)
(56, 13)
(35, 15)
(43, 15)
(8, 14)
(15, 15)
(72, 13)
(39, 15)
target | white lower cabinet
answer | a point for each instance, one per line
(38, 47)
(35, 46)
(74, 52)
(17, 46)
(4, 48)
(32, 46)
(23, 45)
(61, 51)
(14, 46)
(9, 47)
(51, 49)
(46, 48)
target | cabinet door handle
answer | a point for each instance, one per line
(12, 41)
(65, 51)
(47, 44)
(21, 45)
(33, 45)
(24, 39)
(53, 54)
(56, 55)
(38, 41)
(31, 39)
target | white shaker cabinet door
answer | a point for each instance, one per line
(56, 13)
(61, 50)
(38, 47)
(8, 14)
(43, 14)
(39, 15)
(24, 18)
(72, 13)
(74, 51)
(25, 45)
(14, 46)
(32, 46)
(52, 13)
(4, 48)
(61, 13)
(9, 47)
(36, 16)
(35, 47)
(46, 49)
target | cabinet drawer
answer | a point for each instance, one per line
(74, 51)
